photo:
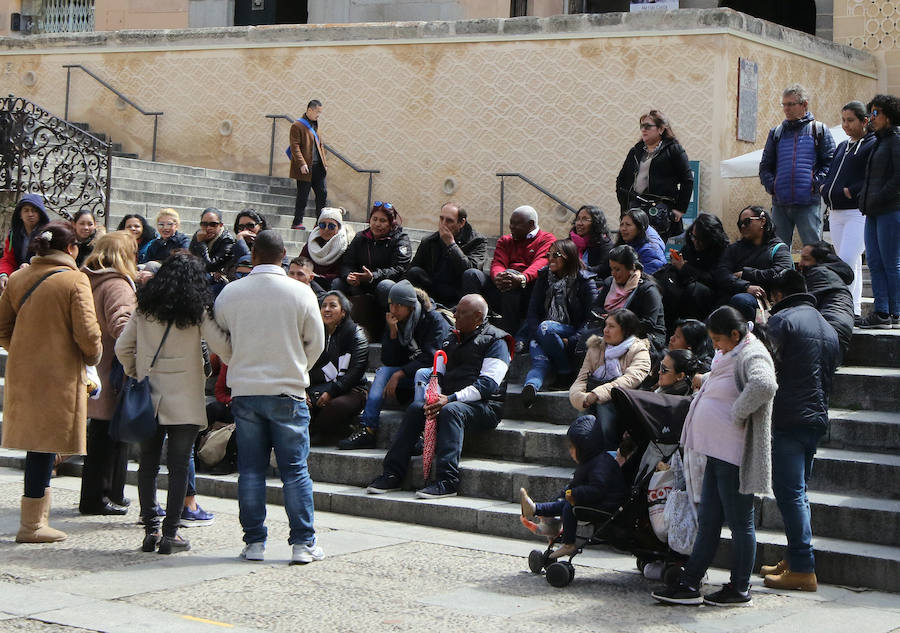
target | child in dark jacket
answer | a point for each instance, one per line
(596, 483)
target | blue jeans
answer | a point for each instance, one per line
(548, 352)
(263, 423)
(371, 414)
(606, 430)
(807, 218)
(793, 451)
(883, 257)
(720, 503)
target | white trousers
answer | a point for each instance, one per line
(848, 232)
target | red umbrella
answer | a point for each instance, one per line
(432, 392)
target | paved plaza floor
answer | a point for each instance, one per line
(378, 576)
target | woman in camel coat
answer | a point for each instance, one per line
(51, 335)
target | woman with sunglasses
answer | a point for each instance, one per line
(247, 226)
(656, 176)
(326, 246)
(170, 238)
(749, 265)
(214, 245)
(559, 307)
(676, 372)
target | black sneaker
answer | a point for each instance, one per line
(876, 321)
(437, 490)
(151, 540)
(728, 596)
(384, 483)
(529, 396)
(679, 594)
(173, 545)
(363, 438)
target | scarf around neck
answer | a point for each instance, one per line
(406, 330)
(581, 243)
(329, 252)
(557, 300)
(617, 297)
(610, 369)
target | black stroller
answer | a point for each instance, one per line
(649, 418)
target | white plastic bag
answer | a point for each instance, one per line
(658, 491)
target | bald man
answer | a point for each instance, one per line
(473, 385)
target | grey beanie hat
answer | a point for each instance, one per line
(403, 293)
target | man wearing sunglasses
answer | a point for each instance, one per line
(308, 161)
(794, 164)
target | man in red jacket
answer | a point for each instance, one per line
(517, 259)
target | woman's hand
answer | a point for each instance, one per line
(353, 279)
(366, 276)
(847, 193)
(677, 262)
(390, 389)
(392, 322)
(677, 214)
(757, 291)
(590, 399)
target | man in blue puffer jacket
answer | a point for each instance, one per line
(794, 164)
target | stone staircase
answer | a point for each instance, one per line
(117, 149)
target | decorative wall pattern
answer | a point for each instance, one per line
(879, 23)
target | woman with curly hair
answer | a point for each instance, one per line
(138, 226)
(172, 316)
(591, 235)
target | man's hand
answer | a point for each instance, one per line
(353, 279)
(503, 281)
(392, 322)
(756, 291)
(390, 389)
(304, 169)
(847, 193)
(590, 399)
(434, 408)
(144, 276)
(201, 236)
(445, 234)
(323, 400)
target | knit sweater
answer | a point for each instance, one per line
(755, 376)
(526, 256)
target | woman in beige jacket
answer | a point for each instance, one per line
(48, 325)
(618, 359)
(177, 299)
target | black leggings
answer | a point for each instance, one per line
(38, 470)
(180, 445)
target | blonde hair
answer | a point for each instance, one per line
(116, 250)
(169, 211)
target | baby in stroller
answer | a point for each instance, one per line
(597, 482)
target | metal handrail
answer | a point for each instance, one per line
(528, 180)
(155, 115)
(328, 147)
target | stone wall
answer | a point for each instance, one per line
(873, 26)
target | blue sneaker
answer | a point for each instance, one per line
(196, 518)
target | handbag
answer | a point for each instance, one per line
(134, 419)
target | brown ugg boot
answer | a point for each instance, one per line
(33, 526)
(792, 580)
(774, 570)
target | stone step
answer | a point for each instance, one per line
(143, 175)
(269, 205)
(877, 348)
(172, 168)
(866, 387)
(856, 472)
(875, 431)
(220, 190)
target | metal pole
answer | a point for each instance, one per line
(501, 204)
(155, 125)
(108, 183)
(369, 200)
(272, 147)
(68, 81)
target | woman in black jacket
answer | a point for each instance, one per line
(590, 233)
(657, 170)
(827, 279)
(879, 201)
(214, 244)
(339, 384)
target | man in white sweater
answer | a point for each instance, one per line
(276, 335)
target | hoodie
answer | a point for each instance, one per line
(15, 251)
(828, 283)
(597, 481)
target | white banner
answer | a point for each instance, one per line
(649, 5)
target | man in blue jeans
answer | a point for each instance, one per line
(272, 350)
(805, 349)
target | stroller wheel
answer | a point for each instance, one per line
(672, 574)
(559, 575)
(571, 569)
(640, 563)
(536, 561)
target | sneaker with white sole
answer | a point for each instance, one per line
(437, 490)
(254, 551)
(729, 596)
(303, 553)
(876, 321)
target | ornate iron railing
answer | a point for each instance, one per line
(41, 153)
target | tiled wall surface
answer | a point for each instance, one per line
(874, 26)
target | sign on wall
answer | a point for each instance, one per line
(748, 99)
(649, 5)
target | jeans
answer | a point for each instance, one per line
(793, 451)
(848, 228)
(317, 184)
(549, 352)
(883, 257)
(806, 217)
(191, 489)
(180, 446)
(371, 414)
(563, 509)
(105, 467)
(263, 423)
(38, 470)
(720, 503)
(511, 304)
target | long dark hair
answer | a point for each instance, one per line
(696, 336)
(390, 211)
(61, 237)
(684, 361)
(626, 256)
(572, 263)
(178, 293)
(709, 231)
(148, 233)
(599, 227)
(725, 320)
(627, 320)
(641, 221)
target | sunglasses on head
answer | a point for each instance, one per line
(384, 205)
(246, 226)
(327, 225)
(746, 221)
(210, 224)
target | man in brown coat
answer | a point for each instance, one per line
(308, 161)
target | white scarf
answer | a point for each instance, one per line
(610, 369)
(329, 252)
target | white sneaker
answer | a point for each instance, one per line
(303, 554)
(254, 551)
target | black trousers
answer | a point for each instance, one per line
(445, 293)
(337, 418)
(180, 446)
(105, 467)
(511, 304)
(38, 470)
(317, 184)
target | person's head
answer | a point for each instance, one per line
(691, 334)
(302, 269)
(470, 313)
(854, 119)
(330, 222)
(755, 224)
(167, 223)
(633, 226)
(178, 292)
(623, 261)
(58, 235)
(727, 328)
(590, 221)
(620, 324)
(815, 254)
(884, 112)
(707, 233)
(786, 283)
(29, 212)
(116, 250)
(84, 223)
(564, 260)
(138, 227)
(313, 110)
(655, 128)
(794, 102)
(383, 218)
(268, 248)
(335, 307)
(249, 220)
(402, 300)
(627, 448)
(211, 222)
(453, 216)
(677, 365)
(522, 222)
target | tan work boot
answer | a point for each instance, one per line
(774, 570)
(792, 580)
(33, 526)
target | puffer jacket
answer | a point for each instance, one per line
(805, 352)
(579, 300)
(758, 266)
(597, 481)
(848, 170)
(347, 353)
(670, 174)
(828, 283)
(387, 257)
(881, 187)
(651, 251)
(793, 171)
(217, 257)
